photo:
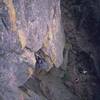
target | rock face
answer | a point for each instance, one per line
(53, 89)
(32, 24)
(81, 21)
(27, 26)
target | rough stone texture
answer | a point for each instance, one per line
(81, 20)
(27, 26)
(81, 25)
(32, 24)
(38, 26)
(13, 73)
(53, 87)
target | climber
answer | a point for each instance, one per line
(41, 63)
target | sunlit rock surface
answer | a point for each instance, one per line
(26, 26)
(35, 25)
